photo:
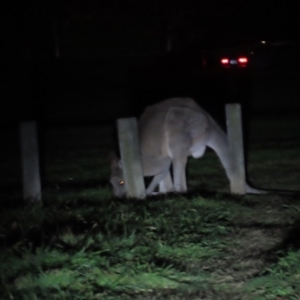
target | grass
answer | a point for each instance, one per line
(82, 243)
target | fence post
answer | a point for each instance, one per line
(235, 139)
(131, 158)
(30, 161)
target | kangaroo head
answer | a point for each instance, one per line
(116, 177)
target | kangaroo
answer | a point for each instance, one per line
(170, 132)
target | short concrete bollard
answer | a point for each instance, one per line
(235, 139)
(131, 158)
(30, 161)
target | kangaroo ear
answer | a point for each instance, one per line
(113, 159)
(120, 164)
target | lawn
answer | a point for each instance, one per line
(82, 243)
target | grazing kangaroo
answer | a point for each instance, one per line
(169, 132)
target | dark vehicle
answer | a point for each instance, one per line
(262, 59)
(216, 75)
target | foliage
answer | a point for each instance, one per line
(81, 243)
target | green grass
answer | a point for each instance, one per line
(81, 243)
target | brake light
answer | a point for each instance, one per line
(224, 61)
(243, 60)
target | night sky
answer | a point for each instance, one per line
(108, 50)
(93, 28)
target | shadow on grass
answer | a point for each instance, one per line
(77, 184)
(291, 242)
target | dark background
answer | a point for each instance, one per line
(91, 61)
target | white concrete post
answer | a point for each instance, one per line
(235, 139)
(131, 158)
(30, 161)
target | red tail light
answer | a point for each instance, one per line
(224, 61)
(243, 60)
